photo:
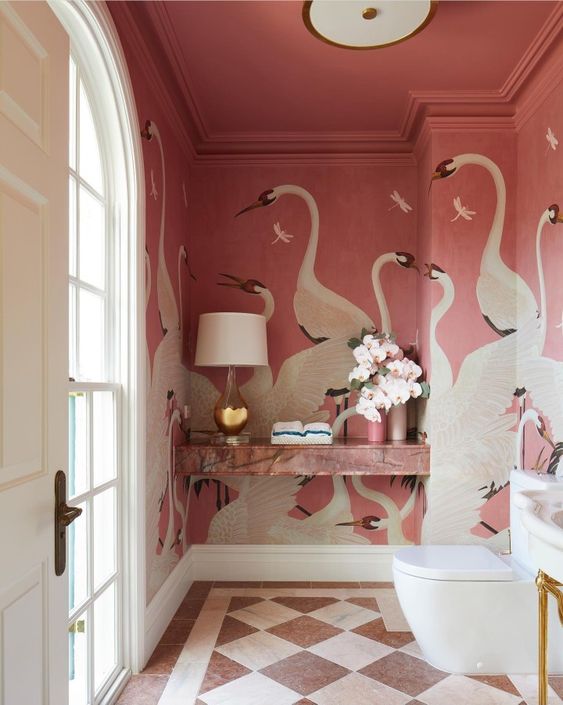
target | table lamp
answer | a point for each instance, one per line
(231, 340)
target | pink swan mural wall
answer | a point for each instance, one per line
(331, 250)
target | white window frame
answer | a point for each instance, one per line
(97, 49)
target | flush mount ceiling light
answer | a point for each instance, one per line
(367, 24)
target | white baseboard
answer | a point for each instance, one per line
(164, 604)
(257, 562)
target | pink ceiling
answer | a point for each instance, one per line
(253, 69)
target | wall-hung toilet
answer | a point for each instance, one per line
(473, 611)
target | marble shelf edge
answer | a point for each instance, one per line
(353, 457)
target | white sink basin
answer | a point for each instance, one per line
(542, 516)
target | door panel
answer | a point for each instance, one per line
(33, 350)
(22, 259)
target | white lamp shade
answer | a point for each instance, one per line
(225, 339)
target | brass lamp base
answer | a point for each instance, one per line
(231, 410)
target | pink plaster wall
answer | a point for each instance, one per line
(356, 226)
(358, 223)
(166, 182)
(540, 184)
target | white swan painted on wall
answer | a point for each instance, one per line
(506, 301)
(471, 432)
(300, 387)
(393, 523)
(168, 385)
(321, 313)
(259, 515)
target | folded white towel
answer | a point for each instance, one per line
(318, 428)
(287, 427)
(286, 432)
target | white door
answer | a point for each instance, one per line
(33, 350)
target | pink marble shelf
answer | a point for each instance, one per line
(345, 457)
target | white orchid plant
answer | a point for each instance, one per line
(383, 376)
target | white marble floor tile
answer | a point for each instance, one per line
(184, 684)
(466, 691)
(528, 688)
(351, 650)
(258, 650)
(264, 615)
(355, 689)
(344, 615)
(253, 689)
(203, 636)
(391, 611)
(413, 649)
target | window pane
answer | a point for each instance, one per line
(91, 348)
(92, 240)
(77, 444)
(72, 356)
(104, 536)
(104, 437)
(72, 114)
(105, 632)
(90, 167)
(78, 661)
(72, 234)
(77, 542)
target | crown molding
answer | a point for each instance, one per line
(426, 111)
(133, 36)
(325, 158)
(542, 44)
(172, 50)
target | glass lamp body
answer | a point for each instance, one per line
(231, 410)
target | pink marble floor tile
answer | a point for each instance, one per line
(190, 608)
(500, 682)
(163, 660)
(177, 632)
(232, 629)
(304, 672)
(304, 631)
(221, 670)
(143, 690)
(376, 630)
(305, 604)
(404, 673)
(369, 603)
(238, 603)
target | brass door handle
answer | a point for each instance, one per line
(64, 516)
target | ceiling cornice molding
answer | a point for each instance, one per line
(132, 35)
(547, 77)
(310, 159)
(436, 110)
(539, 48)
(165, 31)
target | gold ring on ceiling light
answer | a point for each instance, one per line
(306, 14)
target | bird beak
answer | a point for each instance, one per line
(559, 218)
(435, 176)
(358, 522)
(238, 282)
(251, 207)
(547, 436)
(428, 272)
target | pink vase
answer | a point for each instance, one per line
(377, 430)
(397, 425)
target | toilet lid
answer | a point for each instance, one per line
(452, 563)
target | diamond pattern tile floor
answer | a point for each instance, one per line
(304, 672)
(287, 644)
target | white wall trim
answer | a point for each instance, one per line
(164, 604)
(97, 47)
(247, 562)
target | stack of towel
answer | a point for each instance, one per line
(285, 432)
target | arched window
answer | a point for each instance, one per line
(106, 335)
